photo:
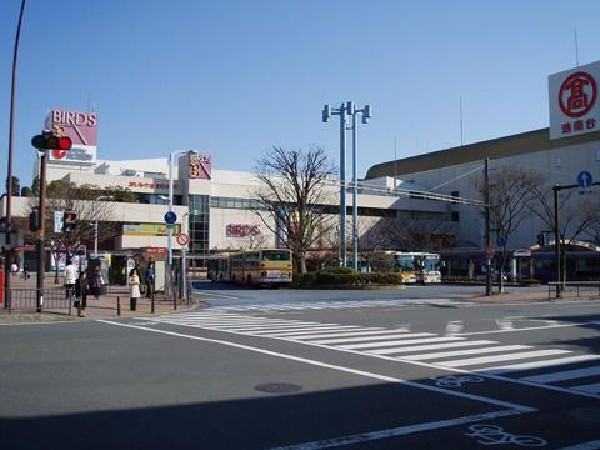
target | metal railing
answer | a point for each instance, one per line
(25, 301)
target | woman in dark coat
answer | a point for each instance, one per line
(96, 282)
(81, 289)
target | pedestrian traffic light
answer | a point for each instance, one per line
(541, 239)
(49, 141)
(34, 222)
(69, 219)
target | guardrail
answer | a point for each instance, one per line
(25, 301)
(578, 284)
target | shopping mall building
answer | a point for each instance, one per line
(216, 209)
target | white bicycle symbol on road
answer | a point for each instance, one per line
(456, 380)
(495, 435)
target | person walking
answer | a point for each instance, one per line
(81, 290)
(149, 280)
(134, 289)
(96, 282)
(14, 269)
(70, 278)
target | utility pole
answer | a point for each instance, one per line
(488, 269)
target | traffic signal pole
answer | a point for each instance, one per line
(40, 247)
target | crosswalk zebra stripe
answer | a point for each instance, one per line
(475, 351)
(401, 343)
(368, 338)
(564, 375)
(422, 348)
(234, 326)
(539, 364)
(314, 328)
(496, 358)
(591, 388)
(302, 335)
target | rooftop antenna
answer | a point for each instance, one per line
(395, 162)
(460, 119)
(576, 50)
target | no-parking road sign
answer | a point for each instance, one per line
(182, 239)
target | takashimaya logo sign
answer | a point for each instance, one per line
(574, 108)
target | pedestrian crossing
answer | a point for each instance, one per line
(565, 369)
(341, 304)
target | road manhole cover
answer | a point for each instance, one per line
(276, 388)
(586, 414)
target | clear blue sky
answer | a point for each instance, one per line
(231, 78)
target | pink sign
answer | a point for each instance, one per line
(79, 126)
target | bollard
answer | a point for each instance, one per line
(152, 303)
(175, 301)
(118, 305)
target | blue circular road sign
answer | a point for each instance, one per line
(170, 217)
(584, 179)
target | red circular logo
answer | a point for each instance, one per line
(577, 94)
(59, 154)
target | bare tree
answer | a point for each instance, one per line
(292, 197)
(511, 199)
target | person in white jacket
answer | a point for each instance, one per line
(70, 278)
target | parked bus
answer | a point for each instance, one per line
(263, 267)
(414, 267)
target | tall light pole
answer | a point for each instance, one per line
(366, 115)
(100, 197)
(172, 156)
(8, 226)
(325, 116)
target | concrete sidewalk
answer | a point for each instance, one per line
(105, 307)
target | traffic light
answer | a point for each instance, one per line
(541, 239)
(34, 222)
(69, 219)
(49, 141)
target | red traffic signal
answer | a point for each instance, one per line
(48, 141)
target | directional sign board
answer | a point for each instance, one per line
(170, 217)
(584, 179)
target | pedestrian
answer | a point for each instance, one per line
(96, 282)
(149, 280)
(81, 290)
(134, 289)
(14, 269)
(70, 278)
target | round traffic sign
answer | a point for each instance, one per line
(490, 251)
(170, 217)
(584, 178)
(182, 239)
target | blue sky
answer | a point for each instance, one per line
(232, 78)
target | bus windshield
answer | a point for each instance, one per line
(275, 255)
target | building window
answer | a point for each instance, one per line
(455, 194)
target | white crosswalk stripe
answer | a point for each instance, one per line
(424, 348)
(338, 304)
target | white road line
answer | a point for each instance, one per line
(496, 358)
(307, 335)
(564, 375)
(283, 325)
(395, 432)
(562, 325)
(500, 348)
(491, 401)
(592, 388)
(399, 343)
(276, 330)
(421, 348)
(369, 338)
(539, 364)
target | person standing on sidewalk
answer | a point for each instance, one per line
(96, 282)
(134, 289)
(81, 290)
(149, 280)
(70, 278)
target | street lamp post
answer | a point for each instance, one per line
(366, 115)
(100, 197)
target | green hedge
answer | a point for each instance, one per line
(344, 276)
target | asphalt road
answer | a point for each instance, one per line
(265, 369)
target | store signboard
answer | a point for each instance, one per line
(574, 103)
